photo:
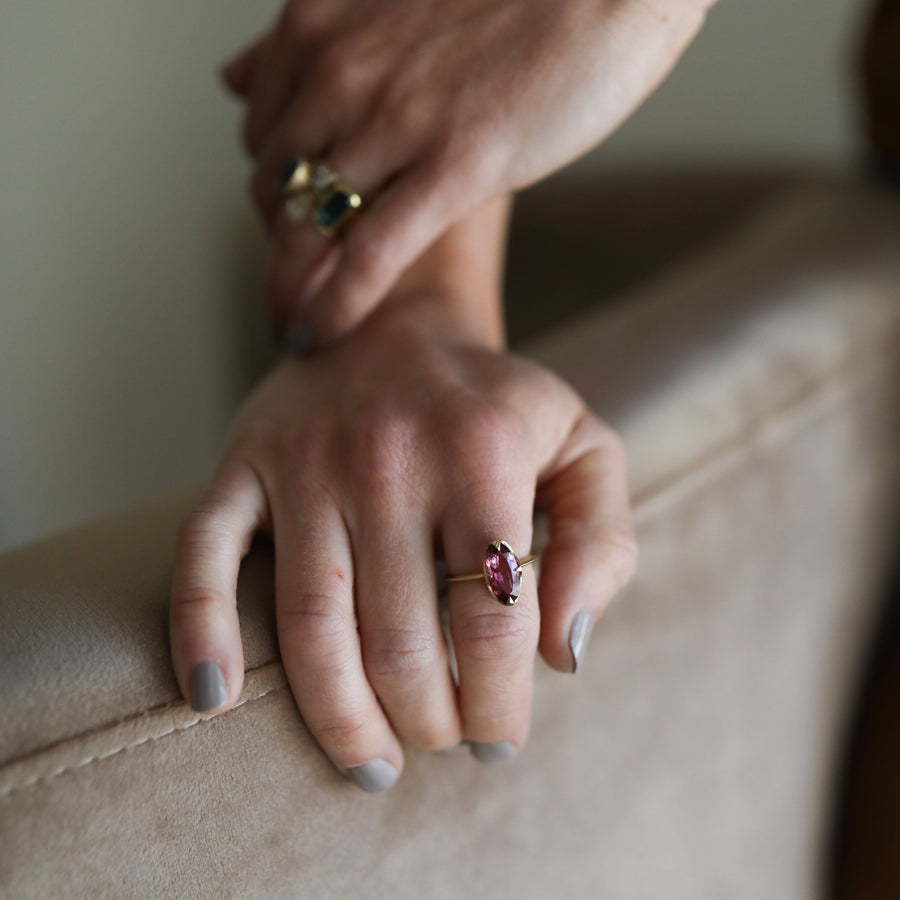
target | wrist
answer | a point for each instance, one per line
(456, 287)
(439, 314)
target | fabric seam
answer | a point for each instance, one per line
(149, 739)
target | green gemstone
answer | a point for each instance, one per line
(333, 210)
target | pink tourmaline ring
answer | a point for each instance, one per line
(502, 572)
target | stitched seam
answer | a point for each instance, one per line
(851, 366)
(37, 779)
(116, 723)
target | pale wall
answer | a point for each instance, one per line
(127, 251)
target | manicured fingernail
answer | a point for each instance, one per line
(499, 751)
(374, 776)
(207, 686)
(579, 634)
(299, 339)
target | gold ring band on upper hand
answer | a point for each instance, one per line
(315, 193)
(501, 572)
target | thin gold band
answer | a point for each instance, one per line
(527, 561)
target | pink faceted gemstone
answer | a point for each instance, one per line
(504, 577)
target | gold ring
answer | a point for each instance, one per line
(315, 193)
(502, 572)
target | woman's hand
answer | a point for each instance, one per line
(429, 108)
(407, 440)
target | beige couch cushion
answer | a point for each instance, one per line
(757, 391)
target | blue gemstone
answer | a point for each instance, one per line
(334, 209)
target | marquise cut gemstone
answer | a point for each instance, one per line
(503, 573)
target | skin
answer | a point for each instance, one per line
(430, 108)
(418, 434)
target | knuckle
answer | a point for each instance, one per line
(396, 655)
(385, 445)
(483, 438)
(342, 731)
(314, 618)
(404, 111)
(338, 67)
(200, 527)
(188, 609)
(497, 636)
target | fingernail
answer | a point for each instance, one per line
(499, 751)
(299, 339)
(375, 776)
(579, 634)
(207, 686)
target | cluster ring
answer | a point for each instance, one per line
(313, 192)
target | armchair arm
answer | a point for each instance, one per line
(758, 391)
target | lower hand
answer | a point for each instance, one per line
(417, 436)
(361, 463)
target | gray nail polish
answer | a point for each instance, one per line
(579, 634)
(499, 751)
(299, 339)
(374, 776)
(207, 686)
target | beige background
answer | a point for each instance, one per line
(129, 259)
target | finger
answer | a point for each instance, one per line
(300, 259)
(320, 645)
(592, 551)
(238, 73)
(296, 51)
(404, 651)
(390, 234)
(203, 621)
(273, 86)
(494, 644)
(303, 259)
(315, 125)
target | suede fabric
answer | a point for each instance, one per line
(693, 756)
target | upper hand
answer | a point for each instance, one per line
(428, 109)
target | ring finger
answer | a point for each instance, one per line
(495, 645)
(303, 258)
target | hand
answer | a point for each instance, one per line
(430, 108)
(407, 439)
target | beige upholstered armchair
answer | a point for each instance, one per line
(755, 377)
